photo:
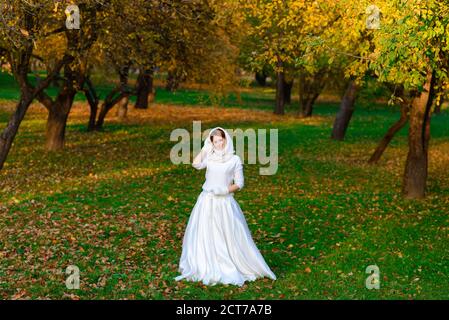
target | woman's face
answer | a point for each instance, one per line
(218, 142)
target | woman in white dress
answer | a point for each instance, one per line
(217, 245)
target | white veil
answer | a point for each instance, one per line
(220, 155)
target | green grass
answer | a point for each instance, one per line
(9, 90)
(113, 204)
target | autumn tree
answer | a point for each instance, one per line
(281, 35)
(204, 45)
(348, 42)
(193, 41)
(405, 52)
(23, 24)
(411, 50)
(79, 43)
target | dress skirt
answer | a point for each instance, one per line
(217, 245)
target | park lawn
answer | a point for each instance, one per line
(260, 98)
(113, 204)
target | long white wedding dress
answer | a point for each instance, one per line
(217, 245)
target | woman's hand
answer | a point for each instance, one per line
(198, 161)
(233, 188)
(207, 148)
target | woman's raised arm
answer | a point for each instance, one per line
(200, 161)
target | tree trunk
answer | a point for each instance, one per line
(93, 100)
(117, 94)
(288, 91)
(107, 105)
(144, 88)
(398, 125)
(261, 78)
(174, 79)
(344, 115)
(57, 121)
(307, 104)
(9, 133)
(59, 109)
(93, 116)
(28, 93)
(280, 95)
(415, 173)
(122, 109)
(310, 88)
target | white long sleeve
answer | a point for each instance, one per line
(238, 174)
(201, 165)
